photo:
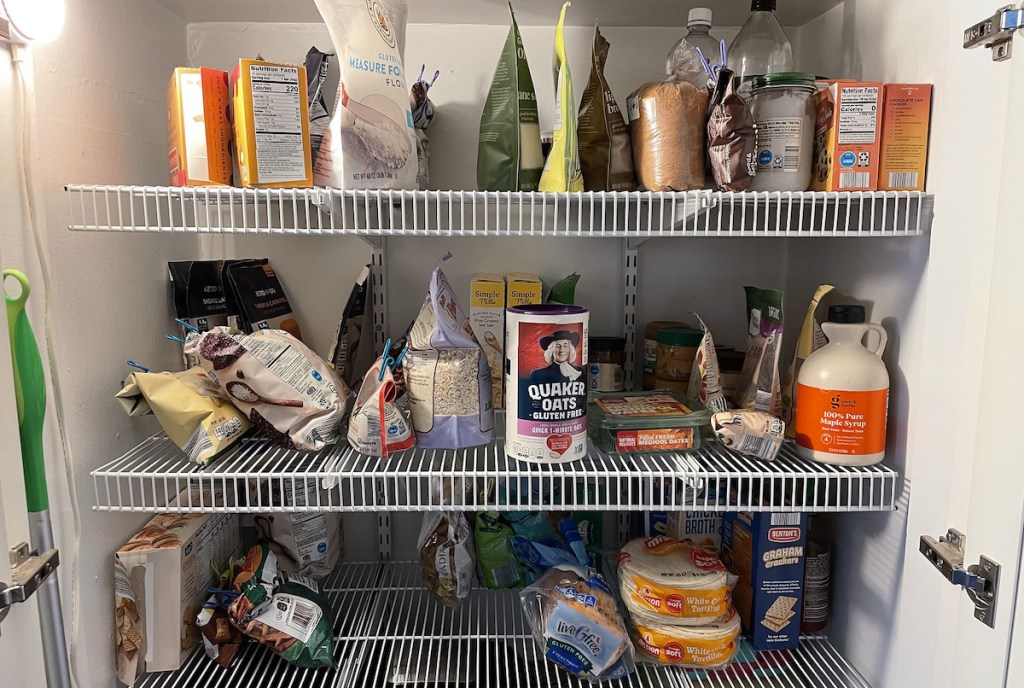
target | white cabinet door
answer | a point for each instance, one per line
(993, 656)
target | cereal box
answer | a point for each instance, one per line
(524, 289)
(906, 118)
(487, 316)
(198, 131)
(847, 134)
(766, 551)
(271, 125)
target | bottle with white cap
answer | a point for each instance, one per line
(698, 34)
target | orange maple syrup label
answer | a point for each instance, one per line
(841, 422)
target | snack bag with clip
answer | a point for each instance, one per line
(286, 613)
(378, 425)
(731, 137)
(562, 168)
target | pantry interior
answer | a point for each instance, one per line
(99, 118)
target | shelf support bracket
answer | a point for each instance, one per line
(630, 274)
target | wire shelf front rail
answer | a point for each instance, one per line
(256, 476)
(323, 211)
(390, 631)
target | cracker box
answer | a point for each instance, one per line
(198, 130)
(162, 574)
(271, 125)
(524, 289)
(847, 135)
(766, 551)
(906, 118)
(487, 316)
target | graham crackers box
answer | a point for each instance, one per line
(162, 573)
(906, 119)
(766, 551)
(198, 130)
(847, 136)
(487, 317)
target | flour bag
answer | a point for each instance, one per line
(509, 155)
(370, 142)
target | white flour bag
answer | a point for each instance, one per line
(370, 143)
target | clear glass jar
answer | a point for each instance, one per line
(784, 114)
(677, 348)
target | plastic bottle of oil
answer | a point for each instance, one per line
(842, 399)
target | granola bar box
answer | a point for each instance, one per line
(766, 551)
(167, 565)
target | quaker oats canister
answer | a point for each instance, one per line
(546, 382)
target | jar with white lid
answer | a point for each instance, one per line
(784, 114)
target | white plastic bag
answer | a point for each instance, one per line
(370, 143)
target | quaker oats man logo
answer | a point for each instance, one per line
(381, 20)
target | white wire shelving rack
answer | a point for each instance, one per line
(339, 479)
(389, 631)
(639, 215)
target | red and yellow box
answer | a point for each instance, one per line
(847, 136)
(271, 125)
(906, 120)
(198, 130)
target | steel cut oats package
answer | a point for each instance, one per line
(447, 378)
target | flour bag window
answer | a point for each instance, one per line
(545, 386)
(370, 143)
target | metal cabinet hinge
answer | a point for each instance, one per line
(981, 580)
(28, 571)
(996, 32)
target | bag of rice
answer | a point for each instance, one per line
(447, 378)
(370, 142)
(509, 156)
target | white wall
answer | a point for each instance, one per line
(100, 119)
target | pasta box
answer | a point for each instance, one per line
(766, 551)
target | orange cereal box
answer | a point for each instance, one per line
(906, 118)
(847, 135)
(198, 131)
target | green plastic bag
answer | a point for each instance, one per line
(495, 558)
(509, 156)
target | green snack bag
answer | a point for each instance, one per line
(760, 386)
(565, 291)
(286, 613)
(498, 565)
(509, 156)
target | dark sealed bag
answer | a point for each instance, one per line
(353, 352)
(509, 156)
(731, 137)
(262, 303)
(606, 151)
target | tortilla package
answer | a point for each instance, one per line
(352, 352)
(285, 389)
(369, 143)
(509, 154)
(705, 377)
(190, 408)
(446, 556)
(760, 388)
(287, 614)
(811, 339)
(731, 137)
(562, 167)
(606, 151)
(262, 303)
(447, 379)
(379, 425)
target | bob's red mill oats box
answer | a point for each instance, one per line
(766, 551)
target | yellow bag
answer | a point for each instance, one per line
(562, 169)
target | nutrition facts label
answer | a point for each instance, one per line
(277, 117)
(858, 115)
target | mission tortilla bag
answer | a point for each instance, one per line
(369, 143)
(606, 150)
(509, 155)
(562, 167)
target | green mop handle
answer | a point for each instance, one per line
(30, 392)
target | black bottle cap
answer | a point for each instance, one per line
(763, 5)
(846, 314)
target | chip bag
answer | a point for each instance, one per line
(562, 168)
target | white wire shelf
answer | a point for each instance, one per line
(322, 211)
(389, 631)
(339, 479)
